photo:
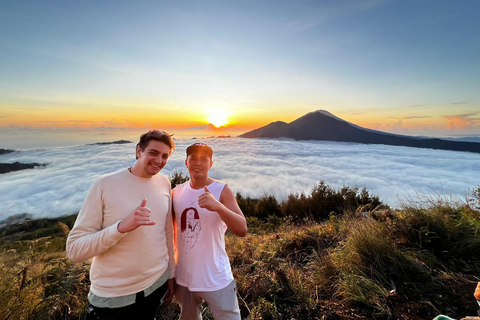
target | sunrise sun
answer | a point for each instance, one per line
(217, 117)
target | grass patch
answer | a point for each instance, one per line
(370, 262)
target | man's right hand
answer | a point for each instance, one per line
(139, 217)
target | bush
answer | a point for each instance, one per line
(297, 207)
(476, 198)
(178, 178)
(66, 286)
(267, 206)
(40, 285)
(247, 205)
(450, 235)
(324, 200)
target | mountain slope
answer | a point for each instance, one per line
(322, 125)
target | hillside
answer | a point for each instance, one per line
(8, 167)
(313, 256)
(322, 125)
(5, 151)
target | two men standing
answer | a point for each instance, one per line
(125, 225)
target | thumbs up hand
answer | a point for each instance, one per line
(208, 201)
(139, 217)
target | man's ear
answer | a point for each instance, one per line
(211, 163)
(137, 151)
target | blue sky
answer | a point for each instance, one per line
(407, 67)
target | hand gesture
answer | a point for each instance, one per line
(139, 217)
(208, 201)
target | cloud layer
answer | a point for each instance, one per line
(250, 166)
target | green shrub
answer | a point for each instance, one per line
(264, 310)
(476, 198)
(297, 207)
(66, 285)
(451, 235)
(324, 200)
(266, 206)
(367, 265)
(247, 205)
(177, 178)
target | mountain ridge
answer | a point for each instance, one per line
(322, 125)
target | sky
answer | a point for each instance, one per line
(398, 175)
(409, 67)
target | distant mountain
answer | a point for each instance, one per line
(8, 167)
(5, 151)
(467, 139)
(112, 142)
(322, 125)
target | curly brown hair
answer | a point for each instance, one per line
(161, 136)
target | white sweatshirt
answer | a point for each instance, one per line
(124, 263)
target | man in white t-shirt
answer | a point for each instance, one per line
(204, 209)
(125, 225)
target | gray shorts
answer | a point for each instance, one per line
(223, 303)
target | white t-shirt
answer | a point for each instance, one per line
(202, 262)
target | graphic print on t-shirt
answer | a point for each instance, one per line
(190, 227)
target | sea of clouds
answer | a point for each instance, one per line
(251, 167)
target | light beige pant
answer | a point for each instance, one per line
(223, 303)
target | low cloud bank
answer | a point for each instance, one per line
(250, 166)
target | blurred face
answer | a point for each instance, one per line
(153, 158)
(198, 164)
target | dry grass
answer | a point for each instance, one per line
(368, 264)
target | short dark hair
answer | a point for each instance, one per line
(157, 135)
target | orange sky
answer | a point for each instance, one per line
(433, 122)
(383, 65)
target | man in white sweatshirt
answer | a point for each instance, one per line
(125, 225)
(204, 209)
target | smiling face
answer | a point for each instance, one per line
(152, 159)
(198, 163)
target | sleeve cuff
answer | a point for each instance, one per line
(113, 232)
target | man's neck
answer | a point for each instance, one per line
(200, 183)
(136, 171)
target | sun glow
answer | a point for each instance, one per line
(217, 117)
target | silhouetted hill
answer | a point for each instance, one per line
(322, 125)
(5, 151)
(272, 130)
(8, 167)
(112, 142)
